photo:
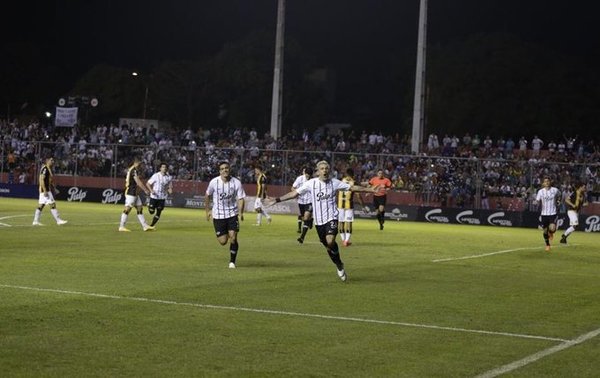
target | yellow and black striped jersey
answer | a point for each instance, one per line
(131, 185)
(261, 186)
(345, 199)
(46, 179)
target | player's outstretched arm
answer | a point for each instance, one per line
(270, 201)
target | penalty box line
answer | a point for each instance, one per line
(286, 313)
(539, 355)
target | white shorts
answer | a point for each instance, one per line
(132, 201)
(573, 218)
(258, 203)
(346, 215)
(43, 200)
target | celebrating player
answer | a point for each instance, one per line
(323, 190)
(225, 205)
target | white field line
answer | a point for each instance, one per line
(492, 253)
(72, 224)
(286, 313)
(9, 217)
(539, 355)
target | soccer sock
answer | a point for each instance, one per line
(348, 235)
(55, 214)
(265, 214)
(142, 219)
(546, 238)
(233, 250)
(258, 218)
(304, 231)
(569, 231)
(123, 220)
(334, 255)
(309, 223)
(299, 223)
(36, 216)
(156, 217)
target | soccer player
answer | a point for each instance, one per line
(322, 190)
(261, 194)
(160, 186)
(548, 196)
(380, 197)
(132, 185)
(305, 221)
(46, 187)
(345, 204)
(574, 203)
(225, 205)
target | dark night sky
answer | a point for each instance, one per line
(346, 35)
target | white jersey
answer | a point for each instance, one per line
(225, 196)
(322, 196)
(160, 184)
(303, 199)
(548, 197)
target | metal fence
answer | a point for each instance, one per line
(451, 181)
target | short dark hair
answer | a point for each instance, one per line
(258, 166)
(350, 172)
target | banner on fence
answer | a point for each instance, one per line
(65, 117)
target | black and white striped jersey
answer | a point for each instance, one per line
(323, 196)
(160, 183)
(225, 195)
(547, 198)
(303, 199)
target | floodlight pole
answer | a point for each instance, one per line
(278, 72)
(145, 105)
(418, 111)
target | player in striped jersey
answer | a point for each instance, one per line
(224, 201)
(323, 191)
(345, 204)
(574, 203)
(261, 194)
(46, 189)
(305, 220)
(160, 186)
(133, 184)
(548, 196)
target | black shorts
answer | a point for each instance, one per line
(379, 201)
(329, 228)
(305, 208)
(158, 204)
(223, 226)
(547, 220)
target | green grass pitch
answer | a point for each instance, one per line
(421, 300)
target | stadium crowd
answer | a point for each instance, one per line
(450, 170)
